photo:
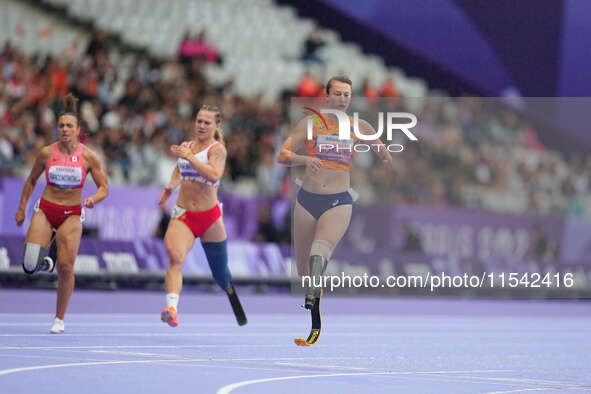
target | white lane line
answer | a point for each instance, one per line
(231, 387)
(186, 360)
(154, 334)
(520, 380)
(227, 389)
(477, 380)
(46, 357)
(143, 324)
(232, 367)
(554, 388)
(136, 347)
(127, 353)
(223, 316)
(221, 324)
(315, 366)
(68, 365)
(198, 334)
(456, 378)
(410, 321)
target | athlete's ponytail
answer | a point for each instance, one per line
(218, 120)
(218, 135)
(70, 107)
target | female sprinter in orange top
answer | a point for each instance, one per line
(197, 214)
(323, 208)
(66, 163)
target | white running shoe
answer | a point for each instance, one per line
(57, 327)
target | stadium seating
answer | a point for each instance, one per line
(261, 43)
(33, 31)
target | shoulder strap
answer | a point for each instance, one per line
(211, 146)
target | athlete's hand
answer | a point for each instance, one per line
(180, 150)
(19, 217)
(313, 164)
(89, 202)
(166, 193)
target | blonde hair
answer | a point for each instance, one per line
(218, 120)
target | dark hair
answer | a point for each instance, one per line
(338, 78)
(70, 107)
(218, 119)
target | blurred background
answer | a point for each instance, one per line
(498, 181)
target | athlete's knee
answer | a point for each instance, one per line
(65, 268)
(322, 248)
(32, 257)
(176, 257)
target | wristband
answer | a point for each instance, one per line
(187, 154)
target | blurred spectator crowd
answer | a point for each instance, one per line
(475, 153)
(471, 152)
(132, 109)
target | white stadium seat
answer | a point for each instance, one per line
(260, 41)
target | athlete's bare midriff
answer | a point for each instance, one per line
(197, 196)
(66, 197)
(326, 181)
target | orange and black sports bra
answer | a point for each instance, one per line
(334, 153)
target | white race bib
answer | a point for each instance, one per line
(330, 147)
(65, 177)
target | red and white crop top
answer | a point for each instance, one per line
(66, 172)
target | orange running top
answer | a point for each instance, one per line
(334, 153)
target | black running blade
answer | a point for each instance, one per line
(236, 307)
(316, 327)
(315, 314)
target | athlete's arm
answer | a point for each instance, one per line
(99, 177)
(376, 145)
(287, 155)
(212, 171)
(175, 180)
(36, 171)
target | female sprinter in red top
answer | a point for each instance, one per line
(323, 208)
(197, 214)
(66, 163)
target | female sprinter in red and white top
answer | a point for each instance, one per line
(197, 214)
(66, 163)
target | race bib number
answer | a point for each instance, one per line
(330, 147)
(65, 177)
